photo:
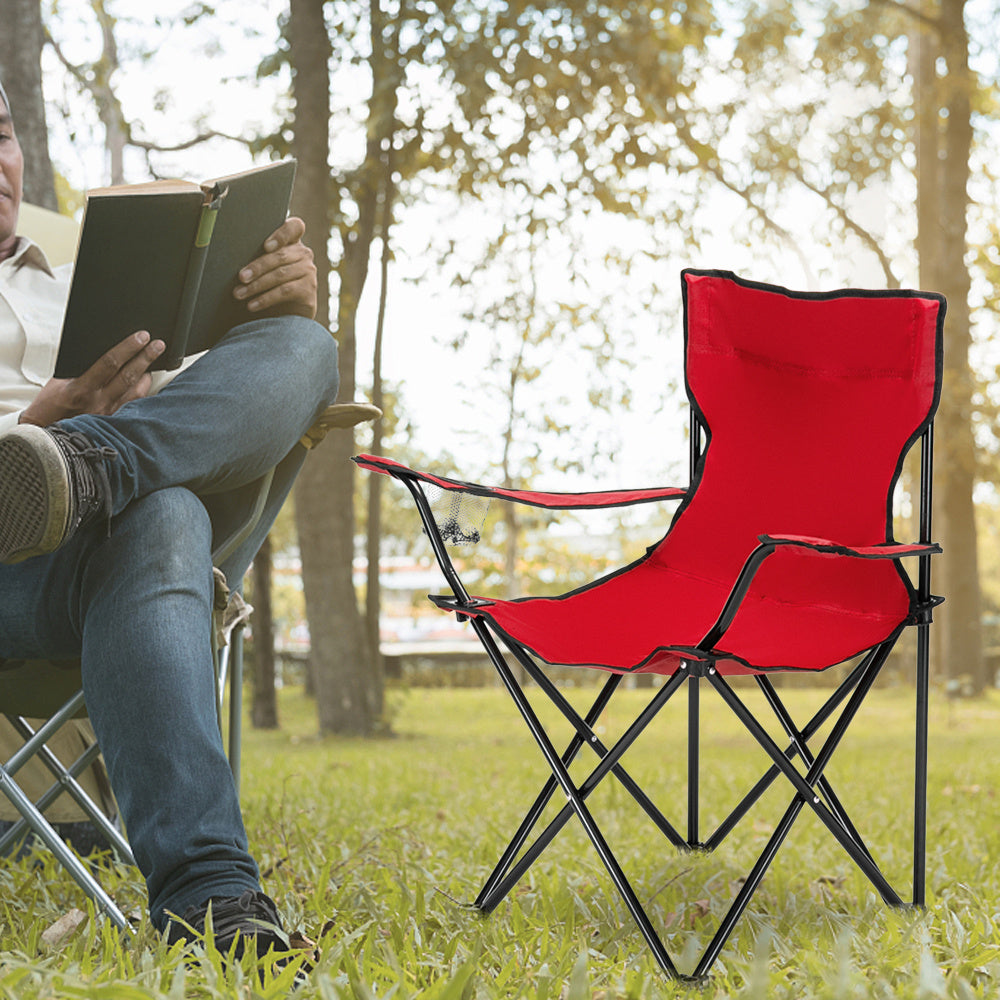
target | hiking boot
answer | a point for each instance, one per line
(252, 916)
(52, 483)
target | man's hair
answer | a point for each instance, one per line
(3, 97)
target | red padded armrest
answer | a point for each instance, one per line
(555, 501)
(887, 550)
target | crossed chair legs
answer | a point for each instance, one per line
(810, 789)
(32, 813)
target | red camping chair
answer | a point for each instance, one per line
(780, 557)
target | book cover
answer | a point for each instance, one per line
(164, 257)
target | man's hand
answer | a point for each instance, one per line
(283, 277)
(113, 380)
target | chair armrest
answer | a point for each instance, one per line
(821, 546)
(825, 546)
(336, 416)
(534, 498)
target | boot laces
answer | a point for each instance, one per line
(90, 486)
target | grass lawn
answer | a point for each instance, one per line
(389, 839)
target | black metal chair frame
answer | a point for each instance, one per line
(811, 787)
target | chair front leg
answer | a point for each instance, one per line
(487, 899)
(578, 806)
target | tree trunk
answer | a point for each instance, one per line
(324, 492)
(264, 712)
(109, 107)
(21, 40)
(373, 592)
(944, 146)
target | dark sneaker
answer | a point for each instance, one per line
(234, 918)
(52, 483)
(237, 920)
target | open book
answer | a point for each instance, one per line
(164, 257)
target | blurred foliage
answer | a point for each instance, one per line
(525, 133)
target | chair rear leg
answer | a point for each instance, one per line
(693, 750)
(77, 870)
(236, 706)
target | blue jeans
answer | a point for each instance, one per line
(135, 605)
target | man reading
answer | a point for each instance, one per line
(111, 491)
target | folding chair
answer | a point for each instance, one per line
(51, 691)
(780, 557)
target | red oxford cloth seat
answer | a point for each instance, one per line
(809, 403)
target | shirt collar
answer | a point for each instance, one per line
(30, 254)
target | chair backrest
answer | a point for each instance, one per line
(56, 234)
(810, 401)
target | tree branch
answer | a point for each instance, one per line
(154, 147)
(106, 95)
(852, 224)
(710, 162)
(75, 71)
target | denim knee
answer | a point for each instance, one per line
(314, 340)
(165, 536)
(166, 517)
(304, 355)
(313, 352)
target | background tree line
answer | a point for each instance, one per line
(819, 132)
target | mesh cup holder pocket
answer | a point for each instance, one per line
(458, 516)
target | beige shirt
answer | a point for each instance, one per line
(32, 303)
(33, 299)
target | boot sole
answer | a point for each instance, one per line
(34, 494)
